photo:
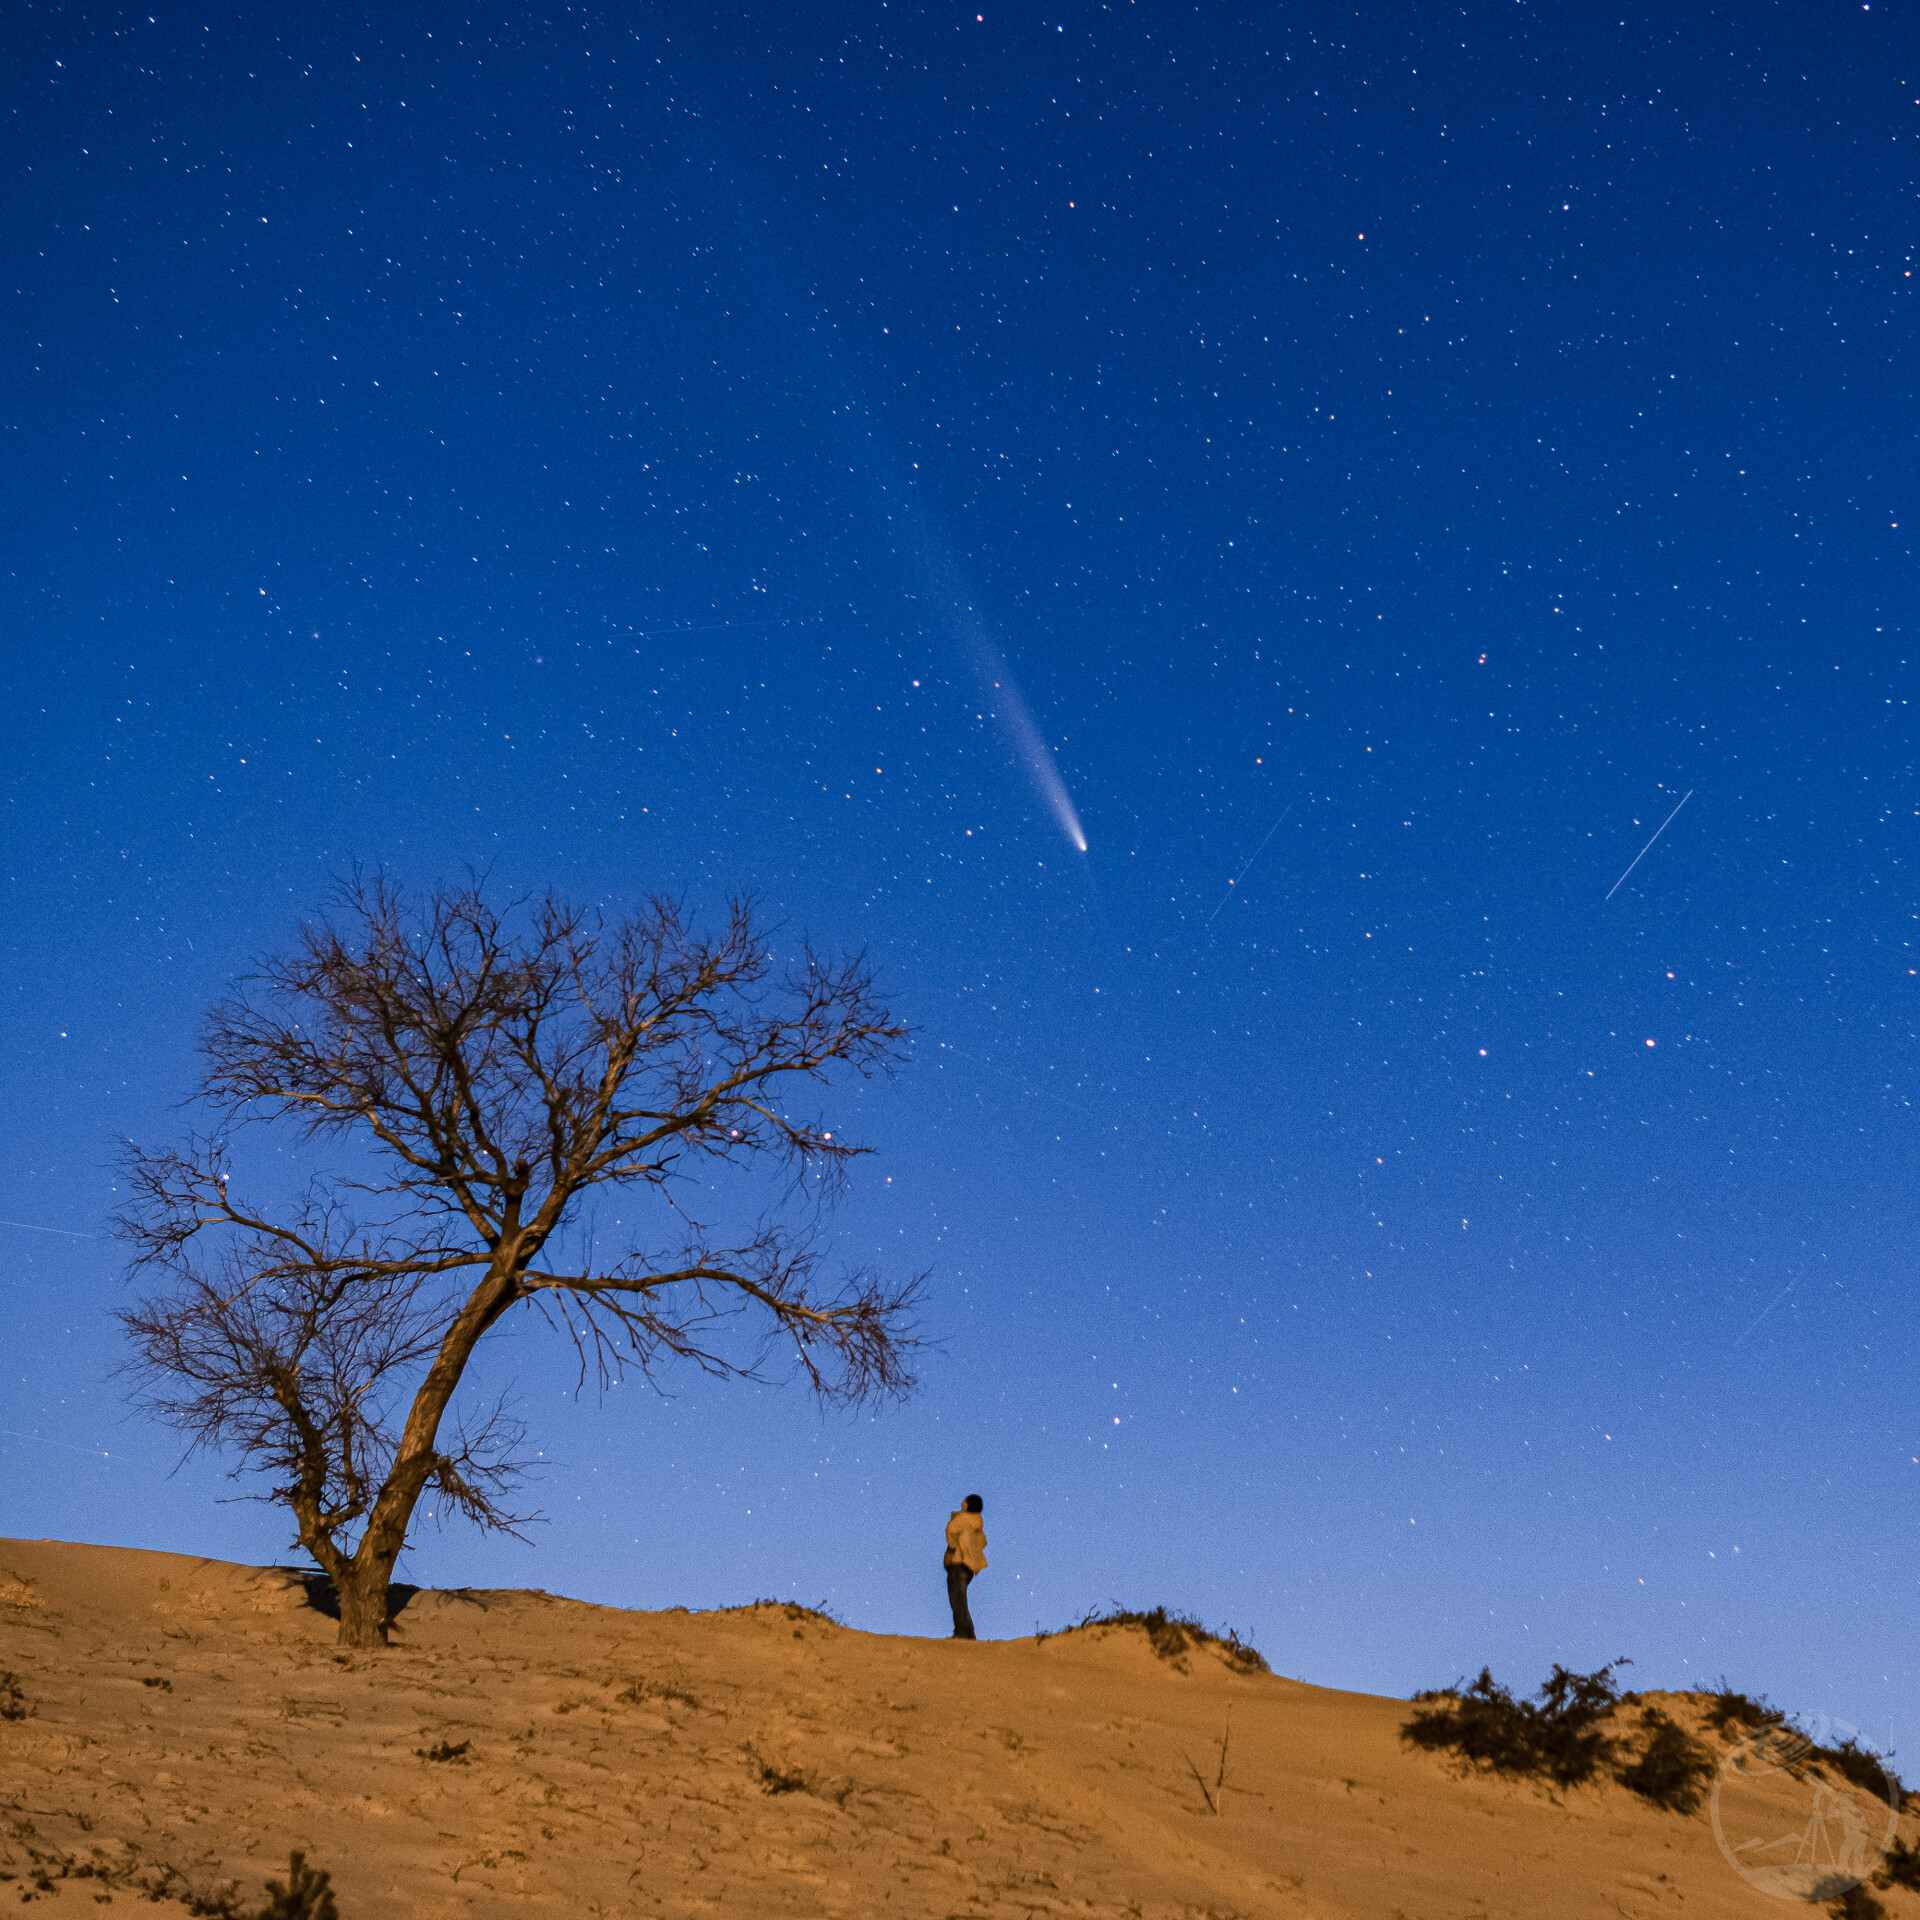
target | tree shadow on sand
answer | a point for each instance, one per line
(324, 1597)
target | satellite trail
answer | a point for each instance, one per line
(1642, 854)
(1251, 858)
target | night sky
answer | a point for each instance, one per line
(1356, 471)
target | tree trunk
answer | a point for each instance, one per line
(363, 1604)
(362, 1581)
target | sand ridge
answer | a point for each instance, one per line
(188, 1722)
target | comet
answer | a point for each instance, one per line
(1004, 700)
(1010, 708)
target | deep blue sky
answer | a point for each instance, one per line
(620, 448)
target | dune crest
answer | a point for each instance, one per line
(185, 1723)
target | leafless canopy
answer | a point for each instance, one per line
(488, 1074)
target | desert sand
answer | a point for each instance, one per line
(179, 1725)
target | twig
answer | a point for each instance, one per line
(1199, 1782)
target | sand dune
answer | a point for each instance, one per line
(187, 1722)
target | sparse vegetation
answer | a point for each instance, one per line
(820, 1616)
(157, 1680)
(304, 1895)
(1731, 1713)
(13, 1703)
(636, 1691)
(446, 1751)
(206, 1903)
(1728, 1709)
(1560, 1738)
(1863, 1768)
(776, 1780)
(1901, 1867)
(1173, 1635)
(1568, 1734)
(1672, 1769)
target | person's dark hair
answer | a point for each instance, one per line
(974, 1504)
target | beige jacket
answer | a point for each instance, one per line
(967, 1541)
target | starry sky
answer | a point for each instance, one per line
(1205, 540)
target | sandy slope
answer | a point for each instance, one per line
(193, 1719)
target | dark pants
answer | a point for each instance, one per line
(958, 1578)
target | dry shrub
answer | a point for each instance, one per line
(1173, 1635)
(1729, 1709)
(1560, 1737)
(304, 1895)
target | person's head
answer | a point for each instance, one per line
(974, 1504)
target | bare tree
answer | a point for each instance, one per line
(487, 1074)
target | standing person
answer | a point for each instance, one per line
(966, 1555)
